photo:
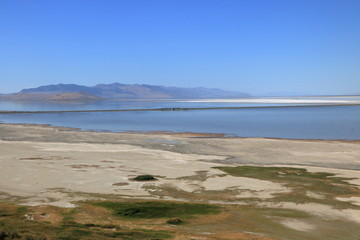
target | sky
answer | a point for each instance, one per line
(253, 46)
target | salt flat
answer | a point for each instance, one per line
(332, 101)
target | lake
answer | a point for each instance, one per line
(315, 122)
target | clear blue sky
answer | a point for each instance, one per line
(255, 46)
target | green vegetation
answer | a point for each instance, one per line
(145, 178)
(68, 217)
(283, 212)
(106, 226)
(31, 230)
(4, 213)
(89, 222)
(269, 221)
(157, 209)
(21, 210)
(280, 173)
(135, 220)
(140, 234)
(302, 182)
(13, 225)
(73, 234)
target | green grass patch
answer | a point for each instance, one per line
(13, 225)
(140, 234)
(157, 209)
(4, 213)
(280, 173)
(74, 234)
(301, 181)
(33, 230)
(21, 210)
(283, 212)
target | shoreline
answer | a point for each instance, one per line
(178, 134)
(47, 132)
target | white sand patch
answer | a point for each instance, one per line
(118, 148)
(352, 214)
(353, 200)
(321, 210)
(184, 185)
(297, 225)
(265, 194)
(249, 187)
(315, 195)
(223, 182)
(54, 198)
(36, 167)
(253, 194)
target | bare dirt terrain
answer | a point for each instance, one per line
(44, 166)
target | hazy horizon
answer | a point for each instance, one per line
(263, 94)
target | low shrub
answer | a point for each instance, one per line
(174, 221)
(145, 178)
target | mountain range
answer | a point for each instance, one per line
(74, 92)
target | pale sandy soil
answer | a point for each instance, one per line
(353, 200)
(321, 210)
(35, 169)
(43, 165)
(298, 225)
(249, 187)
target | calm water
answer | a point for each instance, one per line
(335, 122)
(123, 104)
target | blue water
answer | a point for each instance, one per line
(120, 104)
(334, 122)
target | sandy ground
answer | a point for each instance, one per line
(36, 169)
(44, 165)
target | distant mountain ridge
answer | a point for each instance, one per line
(124, 91)
(59, 88)
(62, 96)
